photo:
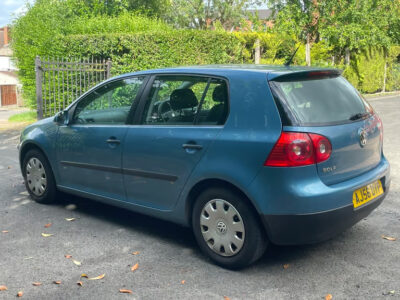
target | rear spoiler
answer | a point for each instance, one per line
(304, 75)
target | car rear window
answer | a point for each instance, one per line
(318, 101)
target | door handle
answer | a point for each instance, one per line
(113, 140)
(192, 146)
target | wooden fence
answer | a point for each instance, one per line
(60, 81)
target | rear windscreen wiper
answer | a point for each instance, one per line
(358, 116)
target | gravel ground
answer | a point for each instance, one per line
(357, 264)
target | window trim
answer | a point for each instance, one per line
(146, 92)
(132, 109)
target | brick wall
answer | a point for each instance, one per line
(4, 38)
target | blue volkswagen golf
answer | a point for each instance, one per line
(244, 155)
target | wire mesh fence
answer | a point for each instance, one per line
(60, 81)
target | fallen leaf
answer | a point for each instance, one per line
(5, 231)
(79, 283)
(134, 267)
(47, 225)
(389, 293)
(3, 288)
(84, 275)
(125, 291)
(78, 263)
(98, 277)
(37, 283)
(135, 253)
(328, 297)
(68, 256)
(70, 219)
(70, 206)
(226, 298)
(285, 266)
(46, 234)
(57, 282)
(389, 238)
(20, 294)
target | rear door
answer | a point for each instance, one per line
(178, 118)
(326, 104)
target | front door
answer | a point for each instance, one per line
(90, 147)
(179, 117)
(8, 95)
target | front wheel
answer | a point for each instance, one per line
(227, 229)
(38, 176)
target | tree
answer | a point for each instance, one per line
(345, 24)
(154, 8)
(300, 17)
(201, 14)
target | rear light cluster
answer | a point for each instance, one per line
(294, 149)
(380, 126)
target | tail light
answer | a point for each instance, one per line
(380, 126)
(294, 149)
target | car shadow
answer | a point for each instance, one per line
(178, 235)
(165, 230)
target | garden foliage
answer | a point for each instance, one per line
(135, 42)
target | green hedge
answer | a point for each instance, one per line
(167, 47)
(133, 52)
(367, 68)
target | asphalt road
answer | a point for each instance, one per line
(357, 264)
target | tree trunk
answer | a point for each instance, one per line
(384, 77)
(257, 52)
(347, 56)
(308, 51)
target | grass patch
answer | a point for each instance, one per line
(26, 116)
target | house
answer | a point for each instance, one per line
(9, 85)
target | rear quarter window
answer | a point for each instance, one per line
(318, 101)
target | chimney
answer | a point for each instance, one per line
(5, 35)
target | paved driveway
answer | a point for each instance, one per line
(357, 264)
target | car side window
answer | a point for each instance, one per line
(214, 108)
(179, 100)
(110, 104)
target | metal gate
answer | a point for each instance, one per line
(60, 81)
(8, 95)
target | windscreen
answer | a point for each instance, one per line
(319, 101)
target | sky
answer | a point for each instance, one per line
(8, 8)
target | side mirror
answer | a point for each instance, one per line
(62, 117)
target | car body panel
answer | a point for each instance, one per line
(349, 158)
(156, 166)
(83, 150)
(43, 135)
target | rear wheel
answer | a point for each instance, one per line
(227, 228)
(38, 176)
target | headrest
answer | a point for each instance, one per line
(183, 98)
(219, 93)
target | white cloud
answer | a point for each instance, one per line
(11, 2)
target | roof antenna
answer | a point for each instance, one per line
(287, 64)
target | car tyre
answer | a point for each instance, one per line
(227, 228)
(38, 177)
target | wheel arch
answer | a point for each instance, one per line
(27, 146)
(209, 183)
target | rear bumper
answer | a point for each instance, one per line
(316, 227)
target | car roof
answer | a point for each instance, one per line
(272, 71)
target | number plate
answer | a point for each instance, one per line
(367, 193)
